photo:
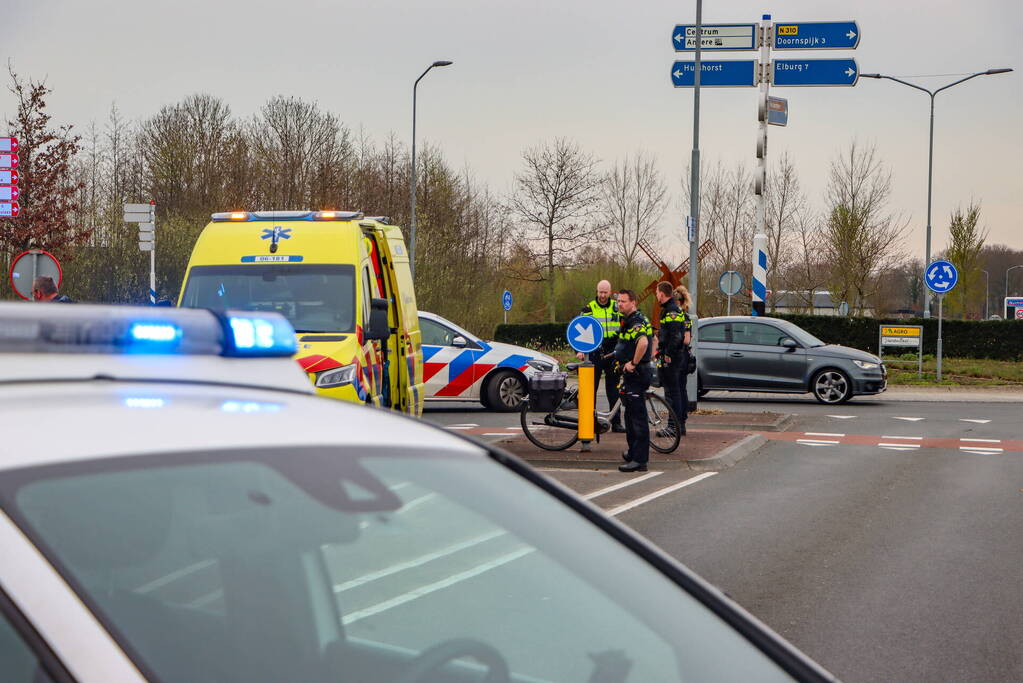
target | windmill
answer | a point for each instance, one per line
(674, 276)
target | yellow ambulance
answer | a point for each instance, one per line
(344, 282)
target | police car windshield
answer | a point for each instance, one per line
(329, 564)
(314, 298)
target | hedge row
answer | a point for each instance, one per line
(994, 339)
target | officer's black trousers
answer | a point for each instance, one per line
(606, 367)
(673, 379)
(637, 428)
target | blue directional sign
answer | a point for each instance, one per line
(816, 35)
(814, 72)
(585, 333)
(725, 73)
(506, 300)
(716, 37)
(940, 277)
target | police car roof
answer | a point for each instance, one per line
(53, 422)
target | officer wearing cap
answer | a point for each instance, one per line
(605, 309)
(633, 352)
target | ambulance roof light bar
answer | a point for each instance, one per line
(241, 216)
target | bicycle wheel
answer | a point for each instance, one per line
(664, 437)
(551, 431)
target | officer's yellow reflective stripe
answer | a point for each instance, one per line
(635, 332)
(674, 318)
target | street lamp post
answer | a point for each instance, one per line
(930, 155)
(1010, 268)
(412, 191)
(987, 291)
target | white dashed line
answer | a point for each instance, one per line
(457, 427)
(899, 445)
(903, 447)
(910, 419)
(983, 440)
(817, 442)
(980, 422)
(657, 494)
(621, 485)
(822, 434)
(842, 417)
(981, 449)
(917, 438)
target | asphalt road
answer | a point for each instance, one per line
(880, 537)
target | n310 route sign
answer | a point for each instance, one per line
(716, 37)
(816, 35)
(814, 72)
(726, 73)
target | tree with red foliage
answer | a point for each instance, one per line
(49, 206)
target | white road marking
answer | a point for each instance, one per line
(479, 569)
(495, 434)
(421, 560)
(984, 440)
(899, 445)
(465, 424)
(657, 494)
(514, 428)
(817, 442)
(980, 449)
(621, 485)
(842, 417)
(917, 438)
(905, 447)
(980, 422)
(822, 434)
(174, 576)
(436, 586)
(910, 419)
(459, 427)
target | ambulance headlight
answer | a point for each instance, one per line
(336, 377)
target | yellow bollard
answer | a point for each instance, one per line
(586, 400)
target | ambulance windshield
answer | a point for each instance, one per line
(314, 298)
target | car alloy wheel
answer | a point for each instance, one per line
(831, 386)
(506, 391)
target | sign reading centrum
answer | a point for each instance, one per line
(716, 37)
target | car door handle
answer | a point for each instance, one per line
(735, 354)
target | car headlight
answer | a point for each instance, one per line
(336, 377)
(865, 365)
(541, 365)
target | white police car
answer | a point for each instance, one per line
(175, 505)
(459, 366)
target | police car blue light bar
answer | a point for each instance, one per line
(83, 328)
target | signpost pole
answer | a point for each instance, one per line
(941, 298)
(152, 257)
(760, 183)
(694, 207)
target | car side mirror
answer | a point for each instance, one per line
(459, 341)
(789, 344)
(378, 330)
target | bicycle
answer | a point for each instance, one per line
(558, 429)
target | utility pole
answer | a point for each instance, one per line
(693, 222)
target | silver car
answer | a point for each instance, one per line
(744, 353)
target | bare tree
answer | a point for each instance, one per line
(557, 199)
(785, 200)
(806, 273)
(633, 200)
(966, 241)
(861, 236)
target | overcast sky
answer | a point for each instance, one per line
(526, 70)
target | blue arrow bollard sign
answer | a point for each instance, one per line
(814, 72)
(816, 35)
(940, 277)
(585, 334)
(725, 73)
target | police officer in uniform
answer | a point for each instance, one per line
(673, 338)
(633, 352)
(605, 309)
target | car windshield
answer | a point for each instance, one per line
(801, 335)
(314, 298)
(320, 564)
